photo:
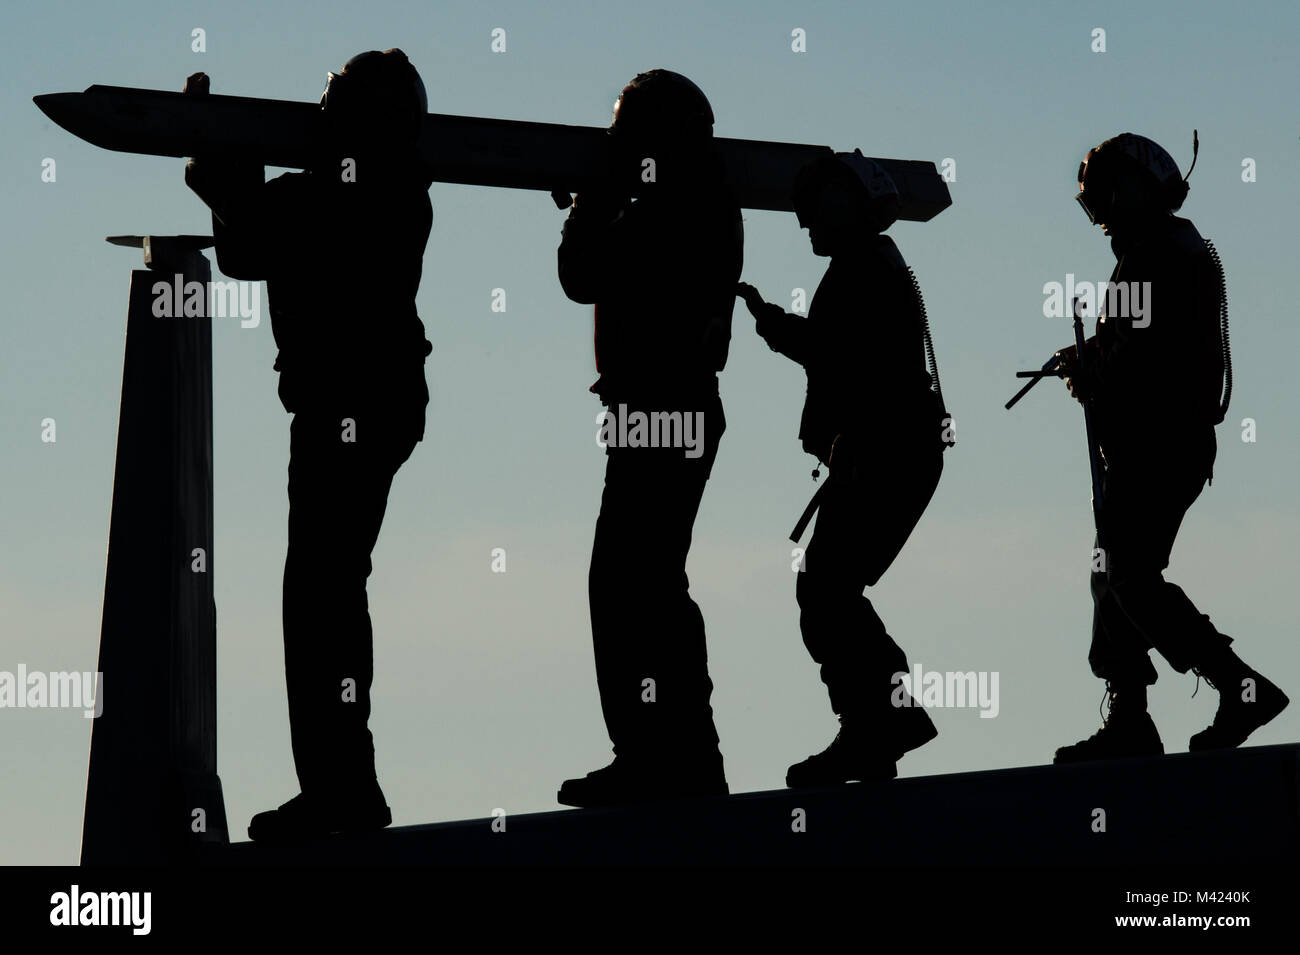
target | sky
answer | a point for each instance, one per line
(484, 693)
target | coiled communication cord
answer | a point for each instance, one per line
(1223, 330)
(929, 344)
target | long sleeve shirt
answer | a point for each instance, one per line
(863, 349)
(661, 272)
(1159, 377)
(342, 263)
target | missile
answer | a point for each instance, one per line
(470, 150)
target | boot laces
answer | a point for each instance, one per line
(1104, 707)
(1199, 677)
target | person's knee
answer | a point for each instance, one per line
(820, 610)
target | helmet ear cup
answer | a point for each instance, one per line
(882, 200)
(1176, 192)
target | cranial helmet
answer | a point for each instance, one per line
(665, 106)
(1137, 162)
(863, 177)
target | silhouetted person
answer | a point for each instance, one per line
(661, 270)
(1155, 382)
(875, 418)
(341, 247)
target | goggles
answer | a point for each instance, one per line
(1088, 199)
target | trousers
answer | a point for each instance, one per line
(647, 632)
(339, 479)
(1135, 609)
(861, 526)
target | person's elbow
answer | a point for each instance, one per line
(577, 281)
(238, 263)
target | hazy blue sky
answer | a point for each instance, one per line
(484, 690)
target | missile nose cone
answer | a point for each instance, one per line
(82, 114)
(57, 106)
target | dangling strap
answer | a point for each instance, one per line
(807, 516)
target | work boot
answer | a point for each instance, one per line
(303, 817)
(626, 782)
(856, 753)
(1127, 730)
(1236, 718)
